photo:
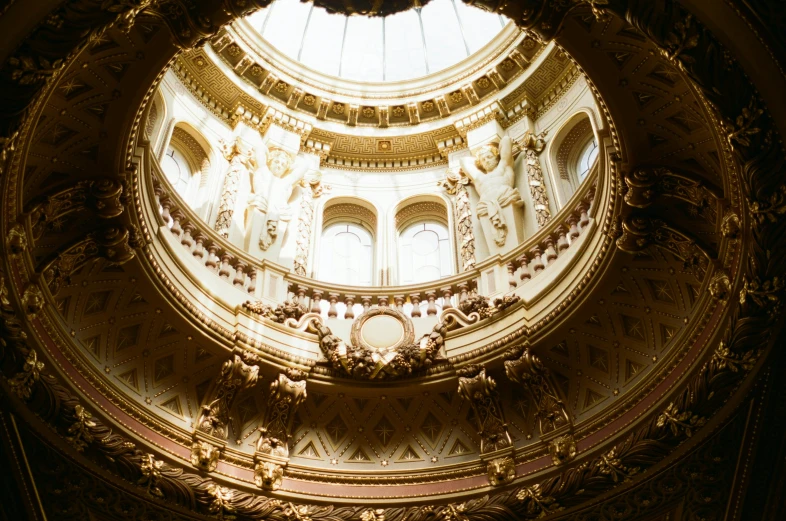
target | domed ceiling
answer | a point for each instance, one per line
(155, 369)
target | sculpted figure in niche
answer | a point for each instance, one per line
(492, 174)
(273, 185)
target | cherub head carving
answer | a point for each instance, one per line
(487, 157)
(279, 162)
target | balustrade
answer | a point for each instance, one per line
(241, 271)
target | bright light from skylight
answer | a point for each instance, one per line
(398, 47)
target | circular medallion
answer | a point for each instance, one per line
(382, 329)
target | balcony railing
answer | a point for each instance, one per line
(272, 283)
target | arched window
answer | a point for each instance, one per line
(346, 255)
(424, 253)
(587, 159)
(177, 170)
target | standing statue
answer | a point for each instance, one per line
(491, 171)
(272, 186)
(242, 160)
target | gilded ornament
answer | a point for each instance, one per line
(456, 96)
(368, 112)
(280, 314)
(309, 99)
(373, 515)
(480, 391)
(235, 377)
(397, 111)
(369, 364)
(204, 455)
(682, 37)
(282, 86)
(679, 422)
(764, 294)
(720, 285)
(483, 82)
(234, 50)
(598, 9)
(562, 449)
(338, 108)
(22, 383)
(536, 503)
(427, 106)
(32, 299)
(16, 240)
(151, 474)
(79, 434)
(730, 226)
(740, 131)
(501, 471)
(256, 70)
(220, 501)
(611, 465)
(723, 358)
(769, 211)
(507, 64)
(268, 475)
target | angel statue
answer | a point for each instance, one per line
(491, 171)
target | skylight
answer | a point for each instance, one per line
(398, 47)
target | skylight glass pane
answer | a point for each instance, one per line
(479, 26)
(444, 43)
(322, 45)
(284, 29)
(404, 56)
(362, 58)
(257, 20)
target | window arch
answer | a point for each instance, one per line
(346, 255)
(177, 170)
(424, 253)
(587, 159)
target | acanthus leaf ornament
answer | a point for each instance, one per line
(287, 392)
(496, 446)
(22, 383)
(150, 468)
(212, 426)
(79, 434)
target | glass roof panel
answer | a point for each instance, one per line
(362, 57)
(479, 26)
(445, 43)
(405, 56)
(377, 49)
(322, 49)
(288, 36)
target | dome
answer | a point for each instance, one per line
(375, 261)
(383, 49)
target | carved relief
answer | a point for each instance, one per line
(272, 454)
(480, 391)
(533, 145)
(525, 368)
(455, 184)
(644, 185)
(212, 426)
(501, 471)
(380, 363)
(491, 172)
(242, 161)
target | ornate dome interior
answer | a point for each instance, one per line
(387, 261)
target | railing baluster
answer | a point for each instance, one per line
(446, 295)
(432, 308)
(316, 298)
(349, 300)
(415, 299)
(333, 311)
